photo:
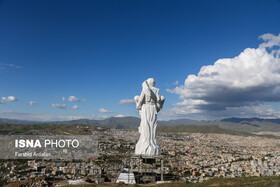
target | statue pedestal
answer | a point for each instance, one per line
(147, 169)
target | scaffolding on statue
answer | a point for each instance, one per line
(147, 169)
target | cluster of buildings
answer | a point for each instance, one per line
(197, 157)
(193, 157)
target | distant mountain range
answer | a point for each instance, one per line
(235, 124)
(15, 121)
(238, 120)
(112, 122)
(249, 124)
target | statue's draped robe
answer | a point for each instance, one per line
(149, 103)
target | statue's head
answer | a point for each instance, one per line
(151, 81)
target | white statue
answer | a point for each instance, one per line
(149, 104)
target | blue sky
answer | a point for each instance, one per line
(102, 51)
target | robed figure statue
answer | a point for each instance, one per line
(149, 104)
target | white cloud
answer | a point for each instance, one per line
(126, 101)
(75, 107)
(270, 40)
(246, 81)
(72, 98)
(103, 110)
(37, 117)
(176, 83)
(9, 99)
(261, 111)
(32, 103)
(62, 106)
(2, 102)
(120, 116)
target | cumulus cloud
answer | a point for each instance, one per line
(75, 107)
(126, 101)
(72, 98)
(270, 40)
(234, 85)
(62, 106)
(32, 103)
(103, 110)
(9, 99)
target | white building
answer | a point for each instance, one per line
(126, 177)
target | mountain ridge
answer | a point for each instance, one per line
(130, 122)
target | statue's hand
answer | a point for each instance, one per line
(136, 99)
(138, 107)
(160, 103)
